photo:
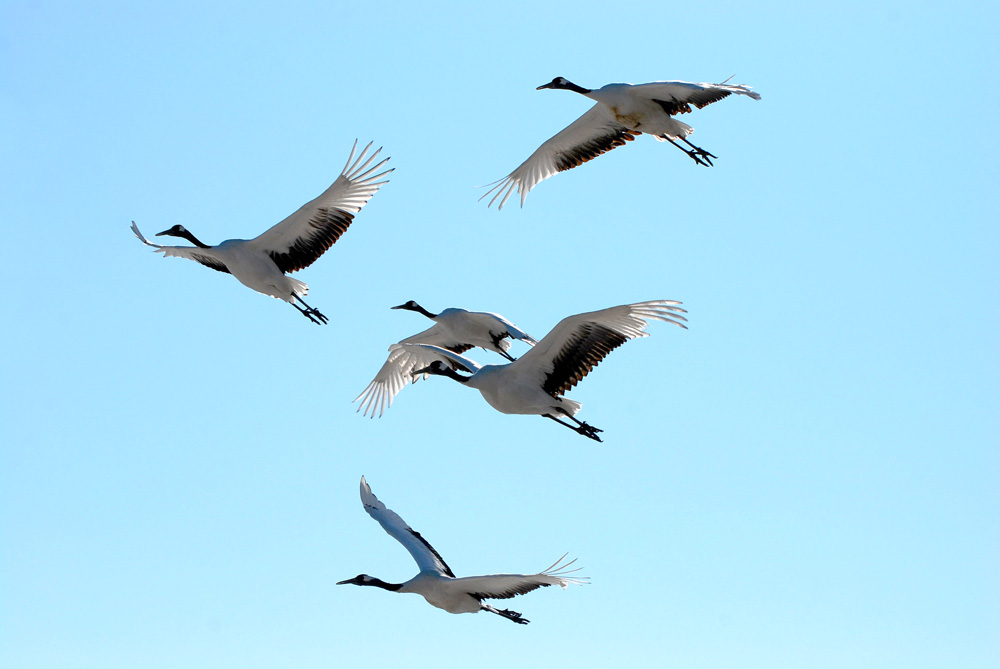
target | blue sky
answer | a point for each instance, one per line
(807, 477)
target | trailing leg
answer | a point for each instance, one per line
(309, 312)
(508, 614)
(696, 154)
(581, 428)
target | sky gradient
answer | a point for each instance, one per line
(807, 477)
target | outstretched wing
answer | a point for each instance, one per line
(397, 370)
(676, 97)
(505, 586)
(206, 257)
(578, 343)
(426, 557)
(299, 240)
(589, 136)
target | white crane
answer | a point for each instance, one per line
(438, 584)
(535, 382)
(295, 243)
(454, 329)
(622, 112)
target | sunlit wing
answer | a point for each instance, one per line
(206, 257)
(299, 240)
(578, 343)
(423, 553)
(589, 136)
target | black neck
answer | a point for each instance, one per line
(194, 240)
(421, 310)
(570, 86)
(378, 583)
(452, 374)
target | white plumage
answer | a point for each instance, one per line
(622, 112)
(438, 584)
(534, 383)
(294, 243)
(454, 329)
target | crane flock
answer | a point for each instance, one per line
(533, 383)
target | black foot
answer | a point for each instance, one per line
(589, 431)
(513, 615)
(698, 154)
(314, 314)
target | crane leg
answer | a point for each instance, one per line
(582, 428)
(309, 312)
(698, 154)
(508, 614)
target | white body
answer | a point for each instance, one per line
(251, 267)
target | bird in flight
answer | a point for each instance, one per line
(622, 112)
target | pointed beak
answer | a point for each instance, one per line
(418, 372)
(548, 85)
(350, 580)
(160, 234)
(399, 307)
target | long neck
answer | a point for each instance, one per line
(419, 309)
(194, 240)
(378, 583)
(452, 374)
(570, 86)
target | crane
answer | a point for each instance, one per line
(298, 241)
(622, 112)
(437, 583)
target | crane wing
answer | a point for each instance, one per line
(505, 586)
(204, 256)
(676, 97)
(513, 331)
(299, 240)
(426, 557)
(578, 343)
(589, 136)
(396, 371)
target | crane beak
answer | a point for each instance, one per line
(350, 580)
(548, 85)
(160, 234)
(399, 307)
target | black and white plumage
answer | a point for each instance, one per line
(438, 584)
(534, 383)
(456, 330)
(294, 243)
(622, 112)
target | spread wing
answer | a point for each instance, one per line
(299, 240)
(206, 257)
(505, 586)
(426, 557)
(578, 343)
(676, 97)
(396, 371)
(589, 136)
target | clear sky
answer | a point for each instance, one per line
(807, 477)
